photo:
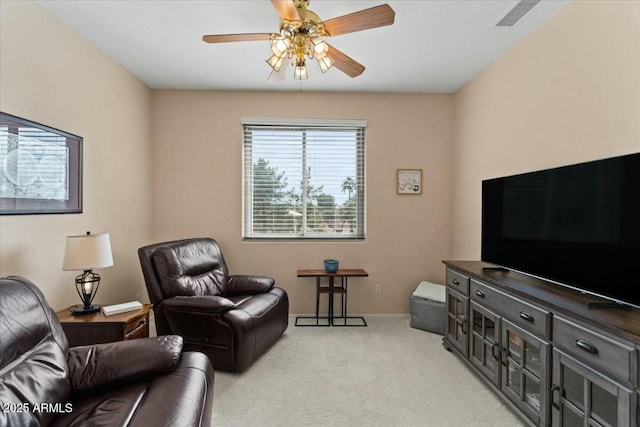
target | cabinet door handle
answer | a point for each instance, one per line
(463, 324)
(586, 346)
(555, 388)
(480, 294)
(526, 316)
(503, 360)
(455, 282)
(494, 347)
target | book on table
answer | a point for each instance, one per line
(110, 310)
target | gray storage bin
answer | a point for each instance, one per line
(428, 315)
(428, 311)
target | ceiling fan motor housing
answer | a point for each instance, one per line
(306, 15)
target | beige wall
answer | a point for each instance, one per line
(166, 164)
(568, 93)
(198, 186)
(50, 75)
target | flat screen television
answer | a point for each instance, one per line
(576, 226)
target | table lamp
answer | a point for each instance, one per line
(84, 253)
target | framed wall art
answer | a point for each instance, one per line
(40, 168)
(409, 181)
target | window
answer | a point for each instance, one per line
(303, 179)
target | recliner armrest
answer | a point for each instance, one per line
(209, 304)
(96, 367)
(249, 285)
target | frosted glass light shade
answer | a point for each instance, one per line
(326, 63)
(279, 47)
(275, 62)
(320, 49)
(87, 252)
(300, 72)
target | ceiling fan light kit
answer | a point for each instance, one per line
(301, 37)
(300, 72)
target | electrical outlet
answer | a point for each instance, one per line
(378, 289)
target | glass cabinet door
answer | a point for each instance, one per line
(581, 397)
(525, 376)
(457, 327)
(484, 346)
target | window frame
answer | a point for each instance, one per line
(359, 126)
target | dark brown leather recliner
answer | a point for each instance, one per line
(43, 382)
(233, 319)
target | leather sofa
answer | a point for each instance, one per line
(137, 383)
(234, 319)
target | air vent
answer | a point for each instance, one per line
(517, 12)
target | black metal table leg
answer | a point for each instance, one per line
(331, 300)
(317, 299)
(344, 297)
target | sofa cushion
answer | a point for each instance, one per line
(260, 304)
(208, 304)
(191, 268)
(114, 407)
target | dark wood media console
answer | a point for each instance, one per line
(552, 356)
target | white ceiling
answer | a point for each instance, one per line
(433, 46)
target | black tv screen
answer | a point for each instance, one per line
(577, 226)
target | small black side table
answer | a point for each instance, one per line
(332, 289)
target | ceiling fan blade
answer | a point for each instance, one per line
(246, 37)
(378, 16)
(286, 9)
(347, 65)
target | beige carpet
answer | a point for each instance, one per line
(387, 374)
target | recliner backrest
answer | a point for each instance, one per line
(33, 350)
(191, 267)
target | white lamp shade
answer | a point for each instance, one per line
(86, 252)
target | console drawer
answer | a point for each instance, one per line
(458, 281)
(527, 316)
(601, 352)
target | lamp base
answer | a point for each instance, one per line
(82, 310)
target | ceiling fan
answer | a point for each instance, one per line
(301, 37)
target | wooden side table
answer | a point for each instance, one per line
(98, 328)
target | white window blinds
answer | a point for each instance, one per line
(304, 179)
